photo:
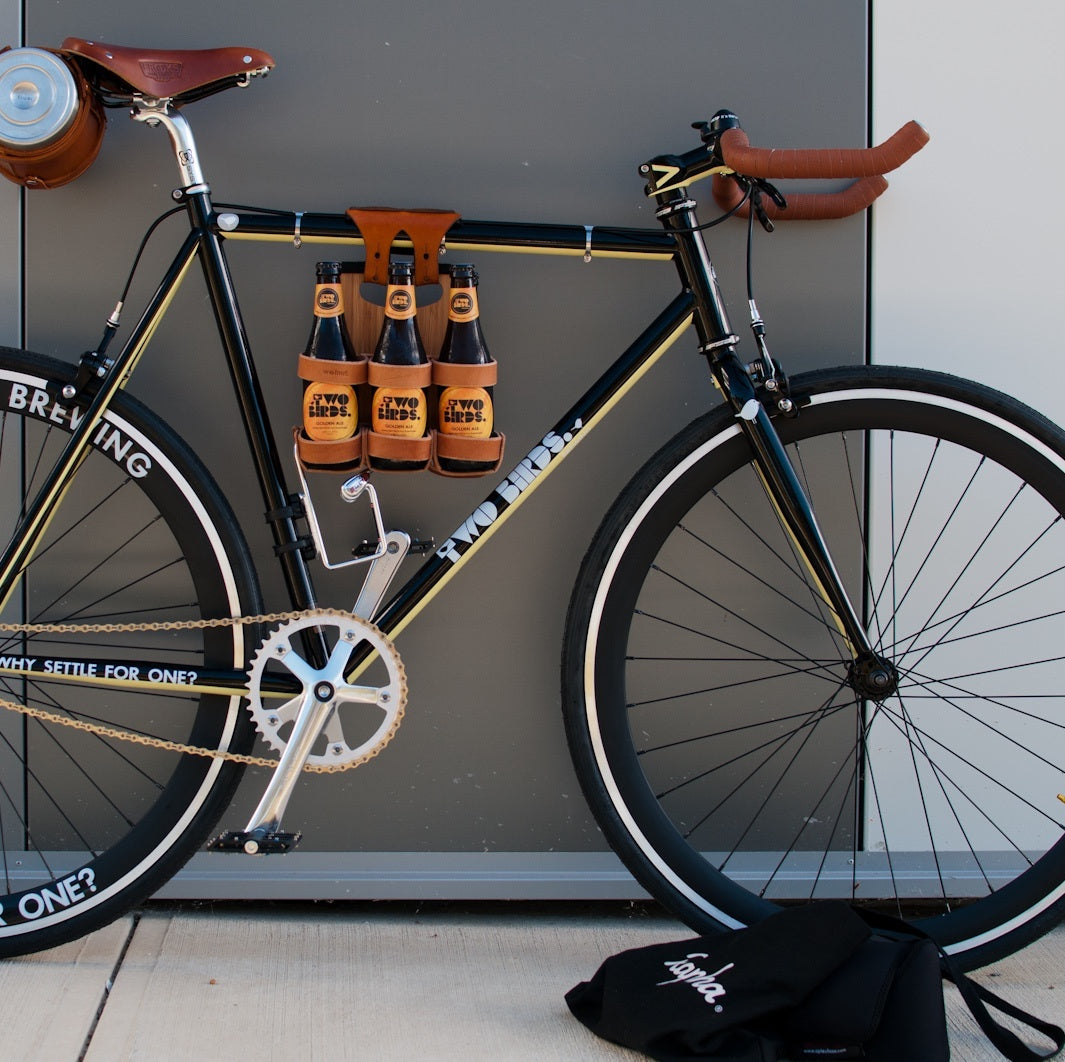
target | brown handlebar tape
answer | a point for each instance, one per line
(820, 163)
(805, 206)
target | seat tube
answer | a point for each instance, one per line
(718, 343)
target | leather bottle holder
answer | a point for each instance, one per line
(380, 227)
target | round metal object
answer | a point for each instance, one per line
(38, 98)
(368, 701)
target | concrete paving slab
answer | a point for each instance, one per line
(372, 983)
(49, 1002)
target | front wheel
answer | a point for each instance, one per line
(710, 706)
(90, 824)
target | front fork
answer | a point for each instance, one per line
(778, 478)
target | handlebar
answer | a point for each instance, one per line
(820, 163)
(727, 152)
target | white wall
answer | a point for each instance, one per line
(969, 241)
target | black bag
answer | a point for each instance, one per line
(808, 982)
(884, 1004)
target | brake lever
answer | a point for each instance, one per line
(760, 188)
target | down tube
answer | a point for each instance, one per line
(530, 472)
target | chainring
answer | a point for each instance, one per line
(368, 704)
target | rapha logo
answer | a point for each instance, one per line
(706, 984)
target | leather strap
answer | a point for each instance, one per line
(397, 449)
(379, 227)
(325, 371)
(463, 448)
(346, 454)
(449, 374)
(400, 375)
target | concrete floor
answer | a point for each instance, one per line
(369, 981)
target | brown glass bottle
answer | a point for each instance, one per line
(330, 402)
(397, 411)
(464, 411)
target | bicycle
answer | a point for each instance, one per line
(763, 704)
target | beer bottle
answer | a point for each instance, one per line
(464, 411)
(399, 411)
(330, 404)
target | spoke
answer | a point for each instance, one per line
(953, 751)
(928, 683)
(733, 613)
(665, 698)
(775, 721)
(728, 558)
(983, 600)
(752, 656)
(896, 542)
(807, 819)
(93, 508)
(915, 578)
(870, 781)
(942, 773)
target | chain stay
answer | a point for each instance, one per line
(103, 730)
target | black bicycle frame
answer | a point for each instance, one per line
(699, 301)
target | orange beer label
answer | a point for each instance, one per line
(466, 411)
(399, 412)
(330, 412)
(327, 301)
(399, 302)
(462, 304)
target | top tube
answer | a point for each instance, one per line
(521, 237)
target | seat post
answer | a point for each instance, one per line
(156, 112)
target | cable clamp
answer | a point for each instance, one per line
(728, 341)
(675, 208)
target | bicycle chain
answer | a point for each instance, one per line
(104, 730)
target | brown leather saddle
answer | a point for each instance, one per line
(169, 73)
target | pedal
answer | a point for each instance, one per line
(255, 843)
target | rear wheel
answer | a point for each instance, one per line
(722, 740)
(91, 824)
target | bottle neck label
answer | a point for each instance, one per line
(462, 305)
(327, 301)
(399, 302)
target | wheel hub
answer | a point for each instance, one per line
(874, 678)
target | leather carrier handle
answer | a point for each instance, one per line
(867, 164)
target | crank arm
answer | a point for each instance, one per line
(311, 718)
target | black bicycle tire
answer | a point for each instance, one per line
(978, 933)
(185, 802)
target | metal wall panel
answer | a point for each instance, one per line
(500, 112)
(10, 213)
